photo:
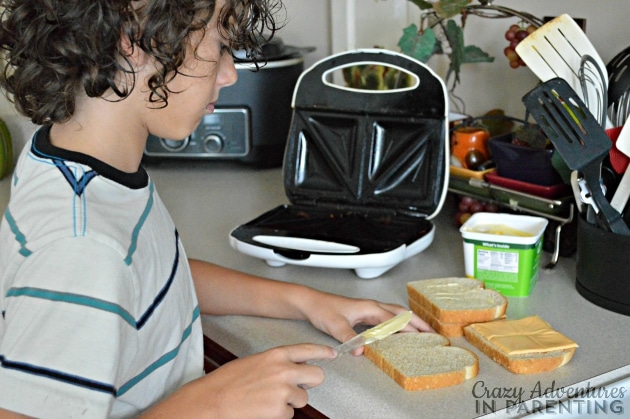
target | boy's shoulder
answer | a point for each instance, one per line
(53, 198)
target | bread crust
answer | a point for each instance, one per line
(429, 382)
(451, 330)
(439, 349)
(523, 363)
(462, 315)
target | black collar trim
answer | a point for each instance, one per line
(42, 147)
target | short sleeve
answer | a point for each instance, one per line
(68, 330)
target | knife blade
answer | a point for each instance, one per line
(378, 332)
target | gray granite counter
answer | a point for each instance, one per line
(209, 199)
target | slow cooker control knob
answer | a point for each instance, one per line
(213, 143)
(174, 145)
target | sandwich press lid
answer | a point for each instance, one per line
(385, 149)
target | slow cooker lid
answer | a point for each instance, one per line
(275, 50)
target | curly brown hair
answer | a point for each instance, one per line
(56, 49)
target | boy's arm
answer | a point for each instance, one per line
(224, 291)
(6, 414)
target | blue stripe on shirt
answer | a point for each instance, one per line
(99, 304)
(164, 359)
(97, 385)
(138, 227)
(19, 236)
(70, 298)
(162, 294)
(58, 376)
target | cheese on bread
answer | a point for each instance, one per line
(524, 346)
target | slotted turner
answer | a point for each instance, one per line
(556, 50)
(580, 140)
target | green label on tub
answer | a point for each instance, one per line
(509, 268)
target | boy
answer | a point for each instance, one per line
(100, 307)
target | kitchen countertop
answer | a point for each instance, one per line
(208, 199)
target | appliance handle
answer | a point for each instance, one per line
(426, 98)
(293, 254)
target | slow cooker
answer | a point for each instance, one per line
(251, 119)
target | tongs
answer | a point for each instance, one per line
(580, 140)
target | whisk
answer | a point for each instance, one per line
(619, 87)
(594, 88)
(619, 111)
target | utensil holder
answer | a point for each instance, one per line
(602, 274)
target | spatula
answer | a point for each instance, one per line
(580, 140)
(556, 50)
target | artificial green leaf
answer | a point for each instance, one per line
(419, 46)
(455, 37)
(347, 75)
(373, 77)
(422, 4)
(449, 8)
(473, 54)
(462, 54)
(396, 79)
(353, 76)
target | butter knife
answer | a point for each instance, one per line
(378, 332)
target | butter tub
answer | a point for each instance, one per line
(503, 251)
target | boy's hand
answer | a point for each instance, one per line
(337, 316)
(269, 384)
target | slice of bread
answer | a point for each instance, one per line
(422, 361)
(524, 346)
(456, 300)
(451, 330)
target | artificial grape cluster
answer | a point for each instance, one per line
(515, 34)
(467, 206)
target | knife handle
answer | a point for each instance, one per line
(355, 342)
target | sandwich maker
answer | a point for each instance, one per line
(365, 170)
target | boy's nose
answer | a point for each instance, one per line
(227, 74)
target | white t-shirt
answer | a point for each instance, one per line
(99, 316)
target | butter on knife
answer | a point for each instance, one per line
(378, 332)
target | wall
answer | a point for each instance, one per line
(486, 85)
(307, 24)
(20, 127)
(328, 26)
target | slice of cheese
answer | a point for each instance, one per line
(526, 335)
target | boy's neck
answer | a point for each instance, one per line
(109, 131)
